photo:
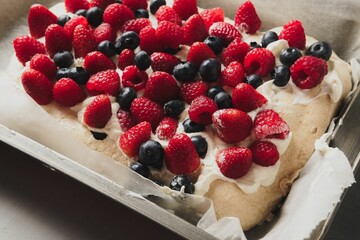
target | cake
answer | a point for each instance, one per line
(189, 99)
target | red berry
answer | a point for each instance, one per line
(67, 92)
(308, 72)
(38, 86)
(70, 26)
(211, 16)
(201, 110)
(135, 25)
(97, 61)
(136, 4)
(161, 88)
(117, 14)
(26, 47)
(98, 112)
(169, 34)
(225, 31)
(104, 32)
(167, 128)
(57, 40)
(39, 19)
(126, 120)
(131, 140)
(104, 82)
(149, 41)
(181, 156)
(192, 90)
(246, 18)
(234, 162)
(232, 125)
(232, 75)
(143, 109)
(83, 41)
(264, 153)
(236, 51)
(246, 98)
(259, 61)
(185, 8)
(74, 5)
(101, 3)
(134, 78)
(163, 62)
(194, 30)
(198, 53)
(294, 33)
(269, 124)
(43, 64)
(166, 13)
(126, 58)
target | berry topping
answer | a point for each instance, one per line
(149, 41)
(63, 59)
(79, 75)
(225, 31)
(135, 25)
(198, 53)
(246, 98)
(281, 75)
(104, 32)
(126, 120)
(254, 80)
(161, 87)
(151, 153)
(83, 41)
(259, 61)
(246, 18)
(56, 40)
(141, 13)
(234, 162)
(191, 127)
(99, 135)
(210, 70)
(62, 73)
(169, 34)
(126, 97)
(185, 8)
(194, 30)
(142, 60)
(167, 128)
(144, 109)
(174, 108)
(289, 55)
(211, 16)
(134, 78)
(213, 91)
(39, 19)
(98, 112)
(182, 181)
(232, 75)
(96, 62)
(81, 12)
(268, 38)
(70, 26)
(223, 100)
(166, 13)
(181, 156)
(264, 153)
(236, 51)
(140, 168)
(163, 62)
(128, 40)
(104, 82)
(320, 49)
(62, 19)
(190, 91)
(215, 43)
(38, 86)
(67, 92)
(101, 3)
(74, 5)
(26, 47)
(200, 144)
(155, 5)
(43, 64)
(135, 4)
(185, 72)
(117, 14)
(94, 16)
(132, 139)
(269, 124)
(126, 58)
(201, 110)
(294, 33)
(107, 48)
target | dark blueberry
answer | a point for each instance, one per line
(254, 80)
(211, 93)
(223, 100)
(63, 59)
(215, 43)
(126, 97)
(107, 48)
(172, 51)
(158, 182)
(128, 40)
(268, 38)
(142, 60)
(141, 13)
(191, 127)
(320, 49)
(94, 16)
(79, 75)
(210, 70)
(62, 73)
(181, 180)
(151, 153)
(155, 5)
(174, 108)
(254, 45)
(289, 55)
(185, 72)
(99, 135)
(119, 1)
(62, 19)
(281, 75)
(140, 169)
(200, 144)
(81, 12)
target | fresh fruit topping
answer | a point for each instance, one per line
(269, 124)
(185, 8)
(198, 53)
(264, 153)
(191, 127)
(81, 12)
(135, 25)
(161, 88)
(232, 75)
(43, 64)
(166, 13)
(259, 61)
(94, 16)
(39, 19)
(99, 135)
(190, 91)
(104, 82)
(104, 32)
(225, 31)
(70, 26)
(289, 55)
(174, 108)
(167, 128)
(128, 40)
(268, 38)
(26, 47)
(38, 86)
(281, 75)
(200, 144)
(126, 97)
(234, 162)
(181, 156)
(246, 18)
(151, 153)
(215, 43)
(134, 78)
(98, 112)
(155, 5)
(185, 72)
(169, 34)
(126, 58)
(213, 91)
(201, 110)
(246, 98)
(148, 40)
(140, 168)
(194, 30)
(254, 80)
(117, 14)
(163, 62)
(212, 15)
(142, 60)
(96, 62)
(62, 19)
(126, 120)
(254, 45)
(144, 109)
(107, 48)
(236, 51)
(67, 92)
(182, 181)
(308, 72)
(75, 5)
(223, 100)
(57, 40)
(83, 41)
(294, 33)
(79, 75)
(62, 73)
(320, 49)
(132, 139)
(101, 3)
(210, 70)
(141, 13)
(135, 4)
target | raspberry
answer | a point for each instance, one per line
(57, 40)
(134, 78)
(98, 112)
(135, 25)
(26, 47)
(126, 120)
(70, 26)
(136, 4)
(236, 51)
(264, 153)
(198, 53)
(74, 5)
(185, 8)
(225, 31)
(101, 3)
(117, 14)
(126, 58)
(144, 109)
(259, 61)
(232, 75)
(246, 18)
(161, 88)
(67, 92)
(234, 162)
(149, 41)
(104, 32)
(308, 72)
(166, 13)
(131, 140)
(232, 125)
(83, 41)
(97, 61)
(39, 19)
(246, 98)
(43, 64)
(211, 16)
(190, 91)
(169, 34)
(163, 62)
(104, 82)
(201, 110)
(37, 86)
(269, 124)
(194, 30)
(167, 128)
(294, 33)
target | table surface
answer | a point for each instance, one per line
(39, 203)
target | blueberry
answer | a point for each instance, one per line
(141, 13)
(289, 55)
(155, 5)
(268, 38)
(210, 70)
(281, 75)
(254, 45)
(126, 97)
(99, 135)
(128, 40)
(142, 60)
(211, 93)
(215, 43)
(254, 80)
(223, 100)
(62, 19)
(185, 72)
(200, 144)
(172, 51)
(63, 59)
(119, 1)
(94, 16)
(81, 12)
(181, 180)
(320, 49)
(107, 48)
(151, 153)
(140, 169)
(191, 127)
(174, 108)
(62, 73)
(79, 75)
